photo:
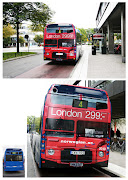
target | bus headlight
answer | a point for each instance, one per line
(71, 53)
(51, 151)
(47, 53)
(42, 145)
(101, 153)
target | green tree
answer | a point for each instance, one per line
(14, 13)
(21, 40)
(84, 34)
(33, 123)
(117, 35)
(38, 39)
(90, 31)
(8, 31)
(30, 121)
(6, 41)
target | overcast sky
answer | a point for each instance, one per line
(81, 13)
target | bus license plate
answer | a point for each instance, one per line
(59, 53)
(77, 152)
(72, 164)
(59, 59)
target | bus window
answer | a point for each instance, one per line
(14, 158)
(75, 102)
(66, 43)
(92, 129)
(100, 105)
(78, 38)
(59, 124)
(50, 43)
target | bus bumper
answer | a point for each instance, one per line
(102, 164)
(10, 168)
(45, 59)
(52, 164)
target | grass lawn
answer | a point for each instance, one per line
(15, 54)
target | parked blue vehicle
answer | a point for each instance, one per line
(13, 160)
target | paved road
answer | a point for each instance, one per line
(89, 66)
(14, 68)
(13, 173)
(31, 166)
(49, 70)
(36, 67)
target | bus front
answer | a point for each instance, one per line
(13, 160)
(59, 42)
(76, 127)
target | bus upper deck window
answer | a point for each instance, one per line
(100, 105)
(70, 31)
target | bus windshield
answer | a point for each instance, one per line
(92, 129)
(66, 42)
(14, 158)
(75, 102)
(59, 125)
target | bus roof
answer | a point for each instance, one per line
(76, 90)
(13, 149)
(59, 25)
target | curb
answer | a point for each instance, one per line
(11, 59)
(115, 169)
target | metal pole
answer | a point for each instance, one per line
(28, 45)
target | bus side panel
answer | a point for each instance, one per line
(36, 147)
(78, 51)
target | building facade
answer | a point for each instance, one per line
(110, 19)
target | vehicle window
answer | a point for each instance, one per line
(100, 105)
(66, 42)
(92, 129)
(50, 43)
(60, 30)
(59, 124)
(51, 30)
(65, 100)
(75, 102)
(14, 158)
(59, 134)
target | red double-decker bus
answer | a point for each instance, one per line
(62, 42)
(74, 130)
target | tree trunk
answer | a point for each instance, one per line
(17, 37)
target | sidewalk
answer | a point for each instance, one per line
(23, 49)
(117, 163)
(101, 66)
(106, 66)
